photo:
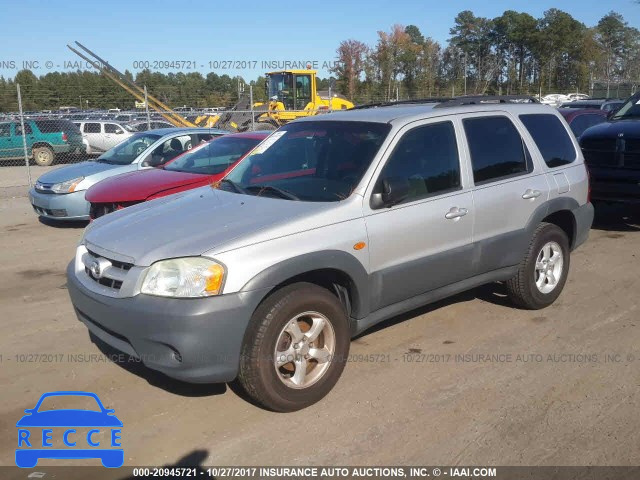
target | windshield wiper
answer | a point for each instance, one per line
(271, 188)
(236, 186)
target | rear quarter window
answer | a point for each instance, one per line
(551, 137)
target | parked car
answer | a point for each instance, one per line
(554, 99)
(46, 139)
(591, 103)
(331, 225)
(59, 194)
(103, 135)
(572, 97)
(196, 168)
(579, 119)
(612, 153)
(143, 125)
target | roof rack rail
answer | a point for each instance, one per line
(417, 101)
(486, 99)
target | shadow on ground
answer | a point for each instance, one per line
(616, 217)
(62, 223)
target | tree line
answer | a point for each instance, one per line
(514, 53)
(91, 90)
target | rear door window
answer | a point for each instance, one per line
(112, 128)
(551, 137)
(91, 128)
(27, 129)
(497, 149)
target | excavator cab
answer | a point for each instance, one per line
(292, 89)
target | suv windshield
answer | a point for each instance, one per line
(631, 109)
(318, 161)
(213, 157)
(126, 152)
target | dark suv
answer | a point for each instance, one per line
(45, 139)
(612, 153)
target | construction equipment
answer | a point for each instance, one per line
(292, 94)
(110, 72)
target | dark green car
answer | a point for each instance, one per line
(46, 139)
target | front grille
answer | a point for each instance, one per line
(112, 272)
(609, 152)
(97, 210)
(44, 188)
(607, 144)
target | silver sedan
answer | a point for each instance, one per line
(59, 194)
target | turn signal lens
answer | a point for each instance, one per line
(214, 279)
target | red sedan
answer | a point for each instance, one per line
(196, 168)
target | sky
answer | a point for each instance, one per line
(236, 38)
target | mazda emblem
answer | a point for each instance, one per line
(95, 269)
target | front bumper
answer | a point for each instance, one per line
(196, 340)
(68, 206)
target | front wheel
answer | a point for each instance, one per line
(543, 272)
(295, 348)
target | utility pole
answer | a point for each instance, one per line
(465, 73)
(253, 121)
(146, 107)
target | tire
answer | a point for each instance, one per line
(283, 389)
(43, 156)
(263, 126)
(540, 279)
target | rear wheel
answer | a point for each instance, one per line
(295, 348)
(43, 156)
(543, 272)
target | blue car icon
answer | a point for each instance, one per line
(100, 420)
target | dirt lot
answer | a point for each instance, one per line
(563, 387)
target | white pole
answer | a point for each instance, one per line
(146, 107)
(24, 138)
(253, 123)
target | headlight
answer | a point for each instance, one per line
(68, 186)
(184, 277)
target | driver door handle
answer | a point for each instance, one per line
(531, 194)
(455, 213)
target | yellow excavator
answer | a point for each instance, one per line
(292, 94)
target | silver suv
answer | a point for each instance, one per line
(331, 225)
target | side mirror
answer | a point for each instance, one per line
(394, 191)
(119, 132)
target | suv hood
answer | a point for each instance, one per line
(190, 223)
(139, 185)
(613, 129)
(83, 169)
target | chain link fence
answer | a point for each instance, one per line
(34, 141)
